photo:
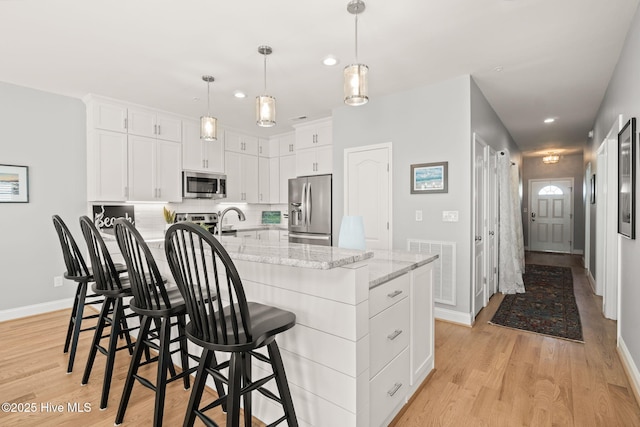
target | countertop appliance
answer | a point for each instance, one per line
(206, 220)
(310, 209)
(198, 185)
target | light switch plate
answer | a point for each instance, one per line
(450, 216)
(418, 215)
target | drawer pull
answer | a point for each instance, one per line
(395, 389)
(394, 334)
(394, 293)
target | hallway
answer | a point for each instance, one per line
(493, 376)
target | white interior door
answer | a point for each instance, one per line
(368, 192)
(479, 225)
(492, 224)
(551, 215)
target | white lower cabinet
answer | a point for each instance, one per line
(388, 390)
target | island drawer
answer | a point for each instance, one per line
(387, 294)
(388, 334)
(388, 390)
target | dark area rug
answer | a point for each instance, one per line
(547, 307)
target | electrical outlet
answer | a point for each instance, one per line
(57, 281)
(450, 216)
(418, 215)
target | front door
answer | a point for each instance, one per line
(550, 215)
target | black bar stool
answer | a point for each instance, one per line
(114, 289)
(153, 302)
(77, 271)
(203, 270)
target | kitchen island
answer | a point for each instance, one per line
(363, 340)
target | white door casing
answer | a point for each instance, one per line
(492, 224)
(367, 191)
(479, 224)
(551, 215)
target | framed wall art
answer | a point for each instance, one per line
(627, 180)
(429, 178)
(14, 184)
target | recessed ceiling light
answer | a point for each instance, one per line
(239, 94)
(498, 69)
(330, 61)
(549, 120)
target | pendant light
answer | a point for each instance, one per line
(265, 104)
(550, 159)
(356, 90)
(208, 124)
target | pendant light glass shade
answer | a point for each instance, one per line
(208, 124)
(356, 84)
(265, 104)
(265, 111)
(208, 128)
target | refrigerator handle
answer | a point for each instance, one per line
(304, 204)
(309, 207)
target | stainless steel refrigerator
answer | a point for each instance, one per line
(310, 210)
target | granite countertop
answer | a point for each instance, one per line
(387, 265)
(286, 253)
(256, 227)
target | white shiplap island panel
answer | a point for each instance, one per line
(328, 354)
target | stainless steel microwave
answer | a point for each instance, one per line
(198, 185)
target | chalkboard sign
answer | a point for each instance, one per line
(104, 216)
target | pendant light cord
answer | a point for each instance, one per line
(208, 100)
(265, 73)
(357, 12)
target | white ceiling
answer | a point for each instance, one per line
(556, 56)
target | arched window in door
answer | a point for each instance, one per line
(550, 190)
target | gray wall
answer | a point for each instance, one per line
(570, 166)
(428, 124)
(45, 132)
(623, 97)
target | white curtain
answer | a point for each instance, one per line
(511, 239)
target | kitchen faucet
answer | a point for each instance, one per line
(221, 215)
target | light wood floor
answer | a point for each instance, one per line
(485, 375)
(493, 376)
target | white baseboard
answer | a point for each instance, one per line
(630, 368)
(578, 252)
(453, 316)
(30, 310)
(591, 280)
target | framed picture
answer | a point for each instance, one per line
(429, 178)
(626, 180)
(593, 188)
(14, 184)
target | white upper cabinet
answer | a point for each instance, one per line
(314, 161)
(287, 171)
(153, 124)
(240, 143)
(242, 177)
(287, 143)
(154, 170)
(314, 134)
(264, 149)
(108, 116)
(107, 166)
(199, 155)
(264, 189)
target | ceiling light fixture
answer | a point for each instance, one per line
(330, 61)
(239, 94)
(551, 159)
(265, 104)
(208, 124)
(549, 120)
(356, 90)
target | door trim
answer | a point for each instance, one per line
(571, 206)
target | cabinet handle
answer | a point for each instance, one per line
(290, 148)
(394, 293)
(126, 192)
(207, 163)
(159, 193)
(392, 336)
(395, 389)
(125, 123)
(159, 131)
(260, 150)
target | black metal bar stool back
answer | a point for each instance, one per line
(155, 303)
(221, 319)
(77, 271)
(114, 289)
